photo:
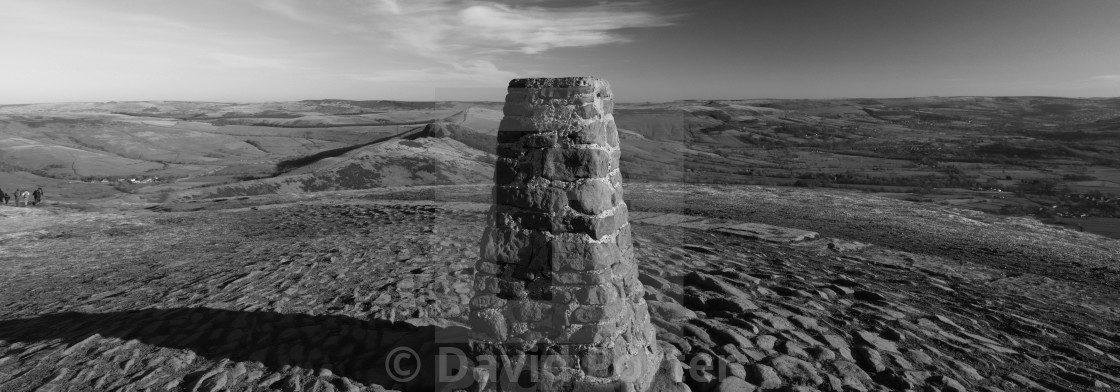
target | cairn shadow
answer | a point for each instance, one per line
(366, 351)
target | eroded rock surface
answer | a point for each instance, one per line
(313, 296)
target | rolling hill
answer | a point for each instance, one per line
(1018, 155)
(417, 158)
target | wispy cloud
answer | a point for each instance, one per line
(233, 60)
(290, 9)
(56, 19)
(1106, 78)
(391, 6)
(440, 26)
(155, 21)
(467, 38)
(537, 29)
(481, 71)
(323, 46)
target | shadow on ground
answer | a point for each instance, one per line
(348, 347)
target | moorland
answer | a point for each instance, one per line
(935, 244)
(1056, 159)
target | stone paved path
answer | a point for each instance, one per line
(312, 296)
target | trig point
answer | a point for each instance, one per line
(558, 305)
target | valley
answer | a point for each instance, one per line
(1055, 159)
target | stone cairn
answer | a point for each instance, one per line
(558, 305)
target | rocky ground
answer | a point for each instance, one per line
(296, 293)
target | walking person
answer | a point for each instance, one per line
(38, 195)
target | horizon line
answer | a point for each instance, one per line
(626, 102)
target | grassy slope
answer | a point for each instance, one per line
(885, 145)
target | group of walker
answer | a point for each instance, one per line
(27, 197)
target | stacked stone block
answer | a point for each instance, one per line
(557, 285)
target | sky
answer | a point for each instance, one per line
(649, 50)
